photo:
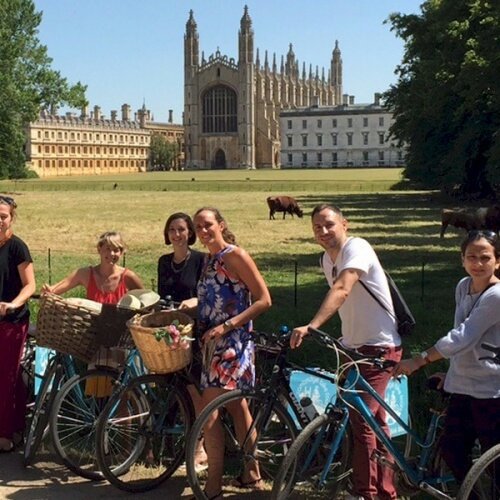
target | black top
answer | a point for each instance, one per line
(12, 254)
(179, 280)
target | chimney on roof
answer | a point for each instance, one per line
(170, 116)
(345, 99)
(351, 100)
(376, 98)
(114, 113)
(125, 112)
(97, 113)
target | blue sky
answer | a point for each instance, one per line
(130, 51)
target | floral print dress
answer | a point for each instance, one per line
(228, 360)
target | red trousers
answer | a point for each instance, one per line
(370, 479)
(12, 388)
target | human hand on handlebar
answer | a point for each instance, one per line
(297, 335)
(408, 366)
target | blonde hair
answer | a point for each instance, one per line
(113, 239)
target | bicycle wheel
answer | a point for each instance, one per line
(141, 433)
(39, 419)
(483, 479)
(73, 420)
(300, 471)
(267, 441)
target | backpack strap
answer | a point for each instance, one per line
(480, 295)
(365, 286)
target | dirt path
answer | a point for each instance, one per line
(48, 480)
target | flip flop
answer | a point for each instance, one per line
(250, 485)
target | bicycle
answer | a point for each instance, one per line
(76, 409)
(319, 458)
(60, 367)
(277, 415)
(141, 431)
(482, 482)
(64, 406)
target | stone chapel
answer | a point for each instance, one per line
(232, 107)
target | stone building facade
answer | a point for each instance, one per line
(91, 144)
(348, 135)
(232, 106)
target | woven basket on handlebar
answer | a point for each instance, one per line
(157, 355)
(75, 329)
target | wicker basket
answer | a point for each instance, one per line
(157, 355)
(75, 329)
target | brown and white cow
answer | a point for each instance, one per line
(285, 204)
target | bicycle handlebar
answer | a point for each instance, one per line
(351, 353)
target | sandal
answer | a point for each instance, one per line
(255, 484)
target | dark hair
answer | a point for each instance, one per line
(189, 223)
(326, 206)
(10, 202)
(490, 236)
(228, 236)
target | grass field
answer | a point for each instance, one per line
(61, 220)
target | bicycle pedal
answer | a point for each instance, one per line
(382, 460)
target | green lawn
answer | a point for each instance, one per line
(61, 220)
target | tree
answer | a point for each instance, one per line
(446, 102)
(162, 152)
(27, 82)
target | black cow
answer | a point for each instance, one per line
(285, 204)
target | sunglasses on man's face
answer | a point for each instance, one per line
(7, 199)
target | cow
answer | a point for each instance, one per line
(479, 218)
(285, 204)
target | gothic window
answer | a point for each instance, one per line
(219, 110)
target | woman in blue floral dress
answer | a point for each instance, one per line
(231, 293)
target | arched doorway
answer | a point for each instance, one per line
(219, 159)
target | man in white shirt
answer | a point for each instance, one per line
(366, 326)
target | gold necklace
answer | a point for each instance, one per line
(183, 263)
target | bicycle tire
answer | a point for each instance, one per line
(275, 434)
(39, 420)
(73, 420)
(483, 478)
(141, 433)
(289, 476)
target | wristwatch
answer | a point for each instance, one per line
(228, 325)
(425, 356)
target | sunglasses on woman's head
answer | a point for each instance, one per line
(7, 199)
(483, 233)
